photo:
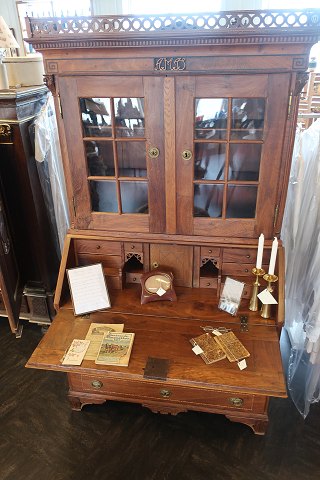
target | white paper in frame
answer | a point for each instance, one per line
(88, 289)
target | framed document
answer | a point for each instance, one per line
(88, 289)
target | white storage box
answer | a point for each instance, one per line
(24, 71)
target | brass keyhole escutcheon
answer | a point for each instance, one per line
(154, 152)
(186, 154)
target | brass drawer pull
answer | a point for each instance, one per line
(165, 393)
(96, 384)
(236, 401)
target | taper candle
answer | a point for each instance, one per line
(260, 251)
(273, 257)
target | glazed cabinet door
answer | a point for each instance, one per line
(114, 132)
(230, 130)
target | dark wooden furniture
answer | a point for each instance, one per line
(177, 135)
(30, 296)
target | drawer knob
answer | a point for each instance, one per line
(210, 251)
(134, 279)
(208, 284)
(236, 401)
(96, 384)
(132, 246)
(246, 270)
(165, 393)
(248, 256)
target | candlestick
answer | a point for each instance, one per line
(258, 272)
(260, 251)
(266, 308)
(273, 256)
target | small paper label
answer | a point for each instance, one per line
(161, 291)
(242, 364)
(76, 352)
(197, 350)
(216, 332)
(266, 298)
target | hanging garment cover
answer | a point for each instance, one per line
(301, 237)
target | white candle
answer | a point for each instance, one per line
(260, 251)
(273, 256)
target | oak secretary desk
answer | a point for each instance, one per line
(177, 134)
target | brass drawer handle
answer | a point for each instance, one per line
(96, 384)
(154, 152)
(165, 393)
(236, 401)
(186, 154)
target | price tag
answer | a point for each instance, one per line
(242, 364)
(197, 350)
(161, 291)
(266, 298)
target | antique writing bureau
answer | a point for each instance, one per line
(177, 133)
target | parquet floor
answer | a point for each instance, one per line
(42, 439)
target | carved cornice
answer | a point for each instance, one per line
(222, 28)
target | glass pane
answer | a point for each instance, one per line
(100, 159)
(96, 117)
(241, 201)
(208, 200)
(134, 197)
(132, 159)
(209, 161)
(104, 196)
(244, 161)
(247, 118)
(129, 115)
(211, 118)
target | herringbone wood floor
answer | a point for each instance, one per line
(42, 439)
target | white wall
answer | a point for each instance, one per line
(9, 12)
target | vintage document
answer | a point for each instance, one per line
(76, 352)
(96, 333)
(232, 346)
(208, 349)
(115, 349)
(88, 289)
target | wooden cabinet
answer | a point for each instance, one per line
(33, 272)
(177, 133)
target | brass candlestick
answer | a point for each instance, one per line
(258, 272)
(266, 309)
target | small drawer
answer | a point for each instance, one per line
(98, 247)
(247, 291)
(207, 282)
(109, 261)
(243, 255)
(114, 283)
(209, 252)
(133, 277)
(131, 247)
(236, 268)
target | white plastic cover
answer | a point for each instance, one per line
(300, 235)
(47, 150)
